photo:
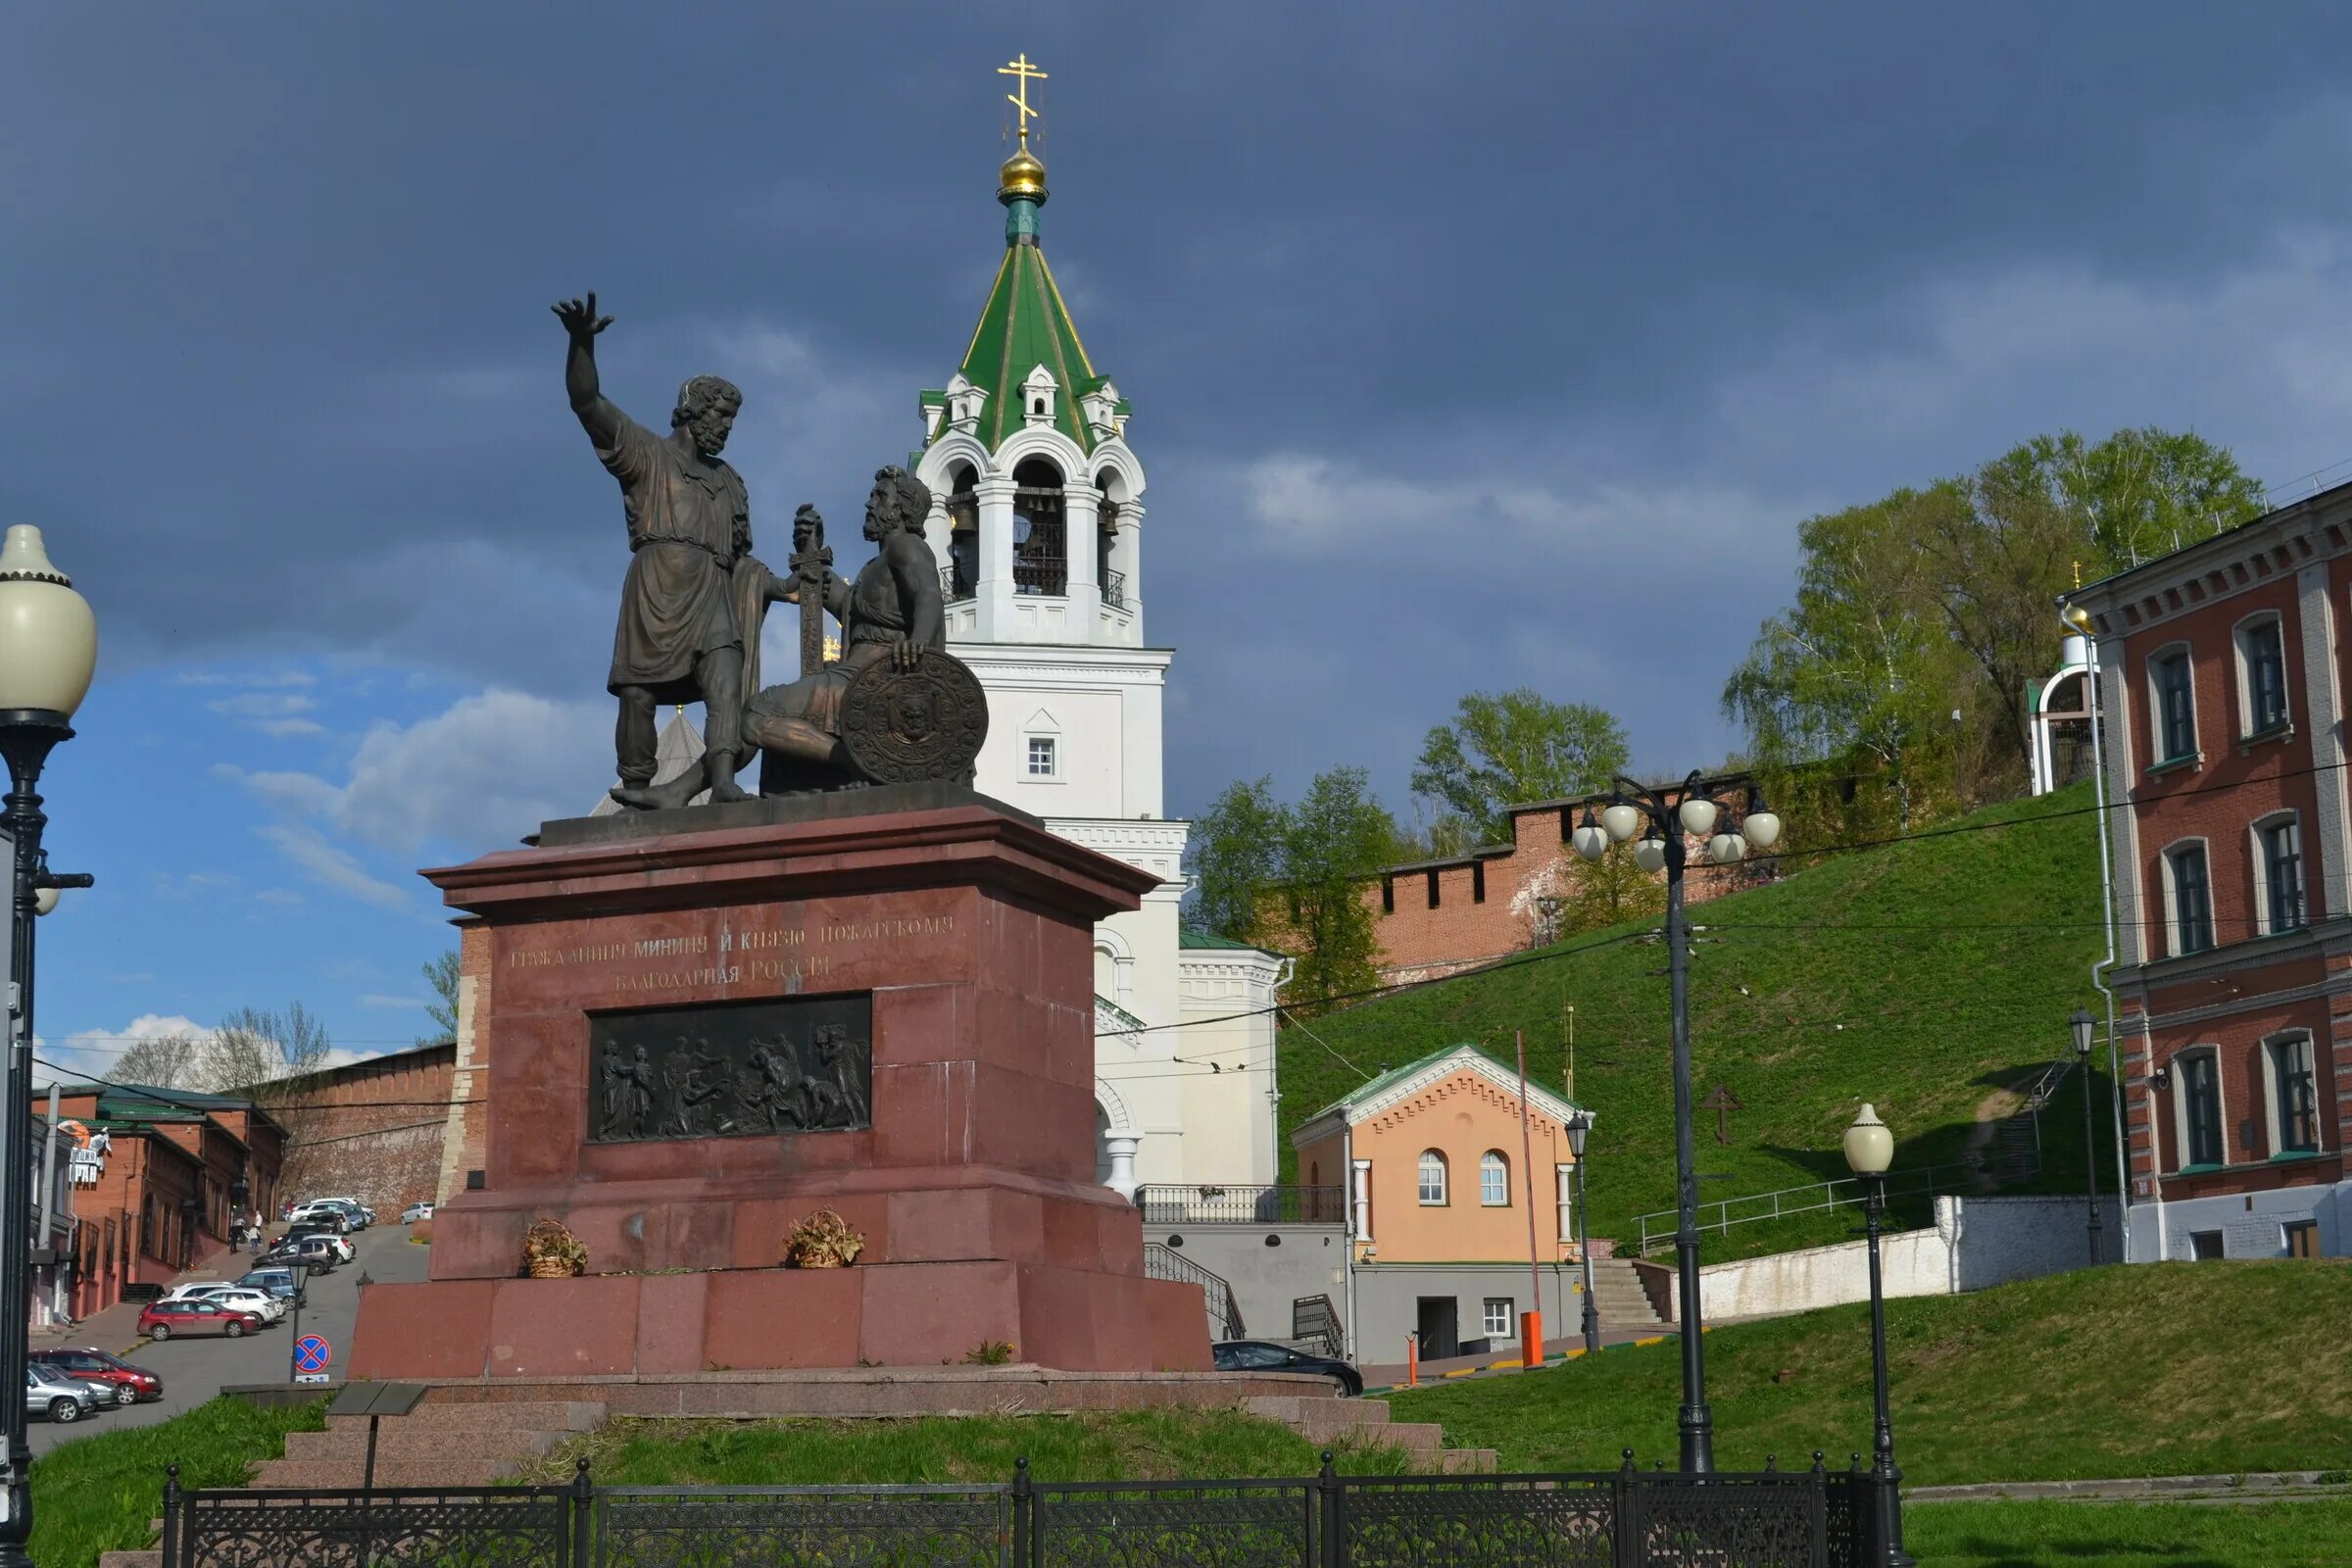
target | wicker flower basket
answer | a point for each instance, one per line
(549, 1251)
(823, 1240)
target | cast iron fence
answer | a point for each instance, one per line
(1625, 1518)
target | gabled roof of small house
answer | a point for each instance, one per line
(1399, 1084)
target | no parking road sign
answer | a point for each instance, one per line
(312, 1353)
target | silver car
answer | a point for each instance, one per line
(60, 1399)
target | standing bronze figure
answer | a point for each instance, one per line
(680, 637)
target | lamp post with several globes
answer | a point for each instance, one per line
(1694, 810)
(1869, 1151)
(48, 651)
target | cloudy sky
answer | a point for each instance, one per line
(1471, 345)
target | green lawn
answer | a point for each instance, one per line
(1126, 1446)
(96, 1494)
(1923, 977)
(2130, 1535)
(2169, 1369)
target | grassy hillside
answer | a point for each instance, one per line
(2166, 1369)
(1923, 977)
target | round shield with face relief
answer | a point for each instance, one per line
(901, 726)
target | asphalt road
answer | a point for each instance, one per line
(193, 1370)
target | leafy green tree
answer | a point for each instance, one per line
(1290, 877)
(1337, 837)
(1505, 748)
(1237, 852)
(2139, 493)
(442, 975)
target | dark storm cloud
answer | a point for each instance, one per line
(1453, 331)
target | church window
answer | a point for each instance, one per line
(1433, 1179)
(1041, 756)
(1494, 1179)
(1040, 542)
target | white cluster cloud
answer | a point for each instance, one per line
(483, 772)
(93, 1052)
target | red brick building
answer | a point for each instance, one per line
(156, 1193)
(2223, 670)
(1434, 917)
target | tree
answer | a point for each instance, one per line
(1900, 675)
(1337, 837)
(1237, 856)
(165, 1061)
(255, 1048)
(1290, 878)
(442, 975)
(1505, 748)
(1858, 672)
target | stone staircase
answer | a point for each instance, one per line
(1333, 1422)
(433, 1445)
(1623, 1304)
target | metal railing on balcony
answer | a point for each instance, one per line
(1114, 589)
(1241, 1205)
(951, 590)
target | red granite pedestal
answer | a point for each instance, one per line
(971, 927)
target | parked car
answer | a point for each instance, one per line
(59, 1397)
(260, 1303)
(314, 1252)
(96, 1366)
(275, 1281)
(1263, 1355)
(415, 1212)
(322, 1214)
(361, 1216)
(187, 1288)
(336, 1246)
(167, 1320)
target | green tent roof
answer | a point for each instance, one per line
(1025, 325)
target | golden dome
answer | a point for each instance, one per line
(1021, 177)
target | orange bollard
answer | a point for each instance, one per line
(1531, 1339)
(1412, 1360)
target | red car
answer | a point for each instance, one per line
(96, 1366)
(163, 1320)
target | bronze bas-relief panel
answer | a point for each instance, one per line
(732, 1070)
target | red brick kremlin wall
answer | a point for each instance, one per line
(1434, 917)
(372, 1130)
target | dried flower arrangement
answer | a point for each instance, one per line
(551, 1252)
(823, 1240)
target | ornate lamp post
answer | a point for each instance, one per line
(2080, 1024)
(1869, 1151)
(48, 651)
(1580, 1126)
(1637, 807)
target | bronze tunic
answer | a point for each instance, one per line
(688, 520)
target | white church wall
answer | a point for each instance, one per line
(1228, 1051)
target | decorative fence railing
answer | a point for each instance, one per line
(1314, 1320)
(1625, 1518)
(1241, 1205)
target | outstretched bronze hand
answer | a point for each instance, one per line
(579, 318)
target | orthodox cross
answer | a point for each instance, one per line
(1025, 72)
(809, 564)
(1722, 1103)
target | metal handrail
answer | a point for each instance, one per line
(1161, 1262)
(1788, 1201)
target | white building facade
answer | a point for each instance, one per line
(1038, 511)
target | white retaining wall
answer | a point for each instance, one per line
(1975, 1243)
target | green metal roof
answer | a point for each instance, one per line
(1381, 1084)
(1025, 325)
(1206, 939)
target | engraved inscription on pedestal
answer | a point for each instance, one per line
(732, 1070)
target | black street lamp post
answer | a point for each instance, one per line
(1633, 808)
(48, 651)
(1580, 1127)
(1869, 1151)
(2080, 1024)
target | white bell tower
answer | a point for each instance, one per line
(1037, 519)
